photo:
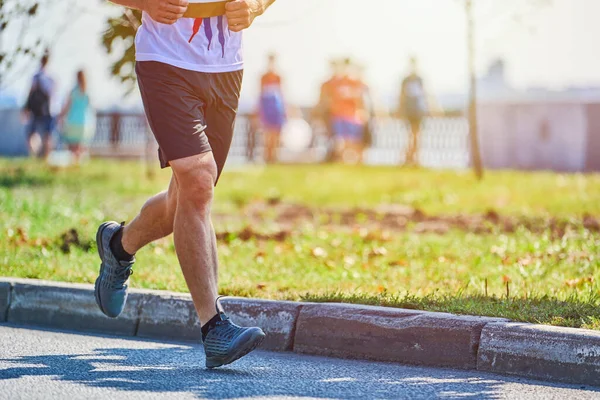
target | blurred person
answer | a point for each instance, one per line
(75, 118)
(190, 81)
(37, 109)
(271, 109)
(368, 109)
(348, 115)
(252, 130)
(323, 109)
(413, 107)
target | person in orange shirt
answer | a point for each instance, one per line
(348, 115)
(272, 109)
(323, 109)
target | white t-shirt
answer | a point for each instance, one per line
(204, 45)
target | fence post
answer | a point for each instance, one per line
(115, 130)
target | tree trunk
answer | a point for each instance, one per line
(473, 126)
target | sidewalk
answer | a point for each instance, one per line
(337, 330)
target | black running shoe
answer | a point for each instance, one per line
(226, 342)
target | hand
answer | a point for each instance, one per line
(165, 11)
(241, 13)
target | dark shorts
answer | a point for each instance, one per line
(348, 130)
(190, 113)
(42, 125)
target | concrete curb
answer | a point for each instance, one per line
(67, 306)
(541, 352)
(172, 315)
(340, 330)
(387, 334)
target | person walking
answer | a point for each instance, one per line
(271, 109)
(413, 108)
(368, 111)
(190, 74)
(322, 111)
(348, 115)
(37, 109)
(75, 118)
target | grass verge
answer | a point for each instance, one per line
(550, 264)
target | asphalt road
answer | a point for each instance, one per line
(44, 364)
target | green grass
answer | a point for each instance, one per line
(527, 275)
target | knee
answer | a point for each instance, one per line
(196, 186)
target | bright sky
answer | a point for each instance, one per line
(554, 46)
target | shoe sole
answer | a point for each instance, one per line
(250, 345)
(101, 254)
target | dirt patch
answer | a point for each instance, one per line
(71, 239)
(403, 218)
(20, 237)
(247, 234)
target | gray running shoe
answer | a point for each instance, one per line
(111, 285)
(227, 342)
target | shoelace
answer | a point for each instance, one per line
(119, 278)
(229, 332)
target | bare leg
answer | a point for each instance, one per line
(269, 156)
(413, 148)
(195, 241)
(154, 222)
(30, 146)
(47, 145)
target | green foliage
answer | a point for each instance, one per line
(118, 39)
(16, 16)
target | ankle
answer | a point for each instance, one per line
(209, 325)
(116, 246)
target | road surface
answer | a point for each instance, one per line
(45, 364)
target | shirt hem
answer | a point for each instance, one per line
(189, 66)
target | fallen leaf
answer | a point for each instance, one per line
(399, 263)
(525, 261)
(378, 252)
(579, 282)
(497, 250)
(260, 254)
(319, 252)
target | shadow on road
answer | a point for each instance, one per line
(178, 368)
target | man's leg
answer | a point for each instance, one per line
(47, 136)
(46, 145)
(416, 133)
(272, 141)
(154, 221)
(411, 150)
(30, 148)
(194, 235)
(32, 128)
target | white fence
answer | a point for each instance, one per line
(444, 141)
